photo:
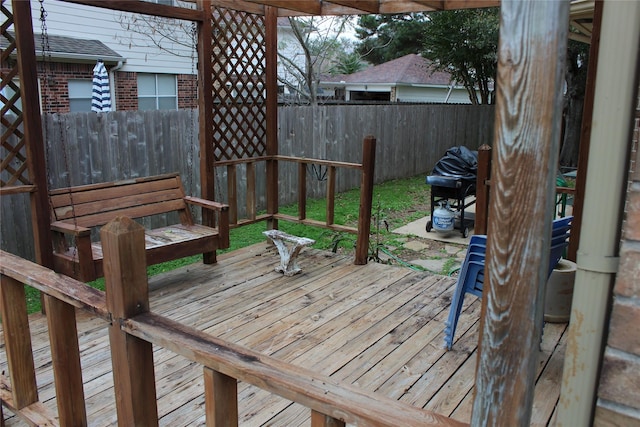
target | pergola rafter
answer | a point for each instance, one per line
(351, 7)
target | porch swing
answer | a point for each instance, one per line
(77, 211)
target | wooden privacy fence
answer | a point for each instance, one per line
(133, 329)
(87, 148)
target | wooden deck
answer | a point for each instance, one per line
(377, 326)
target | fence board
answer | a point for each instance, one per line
(93, 148)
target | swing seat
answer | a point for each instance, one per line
(77, 211)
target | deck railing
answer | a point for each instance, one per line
(366, 169)
(483, 192)
(133, 329)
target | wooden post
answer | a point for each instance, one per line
(127, 295)
(232, 193)
(302, 190)
(331, 195)
(366, 199)
(482, 189)
(221, 399)
(531, 63)
(32, 125)
(65, 355)
(251, 190)
(271, 46)
(17, 341)
(585, 135)
(205, 117)
(321, 420)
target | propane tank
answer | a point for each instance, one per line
(443, 218)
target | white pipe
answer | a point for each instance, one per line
(446, 98)
(112, 84)
(597, 258)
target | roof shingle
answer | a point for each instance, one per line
(409, 69)
(62, 46)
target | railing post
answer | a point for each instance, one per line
(221, 399)
(232, 194)
(366, 199)
(302, 190)
(482, 189)
(251, 190)
(321, 420)
(17, 341)
(65, 356)
(127, 295)
(331, 195)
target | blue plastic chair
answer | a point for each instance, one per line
(471, 275)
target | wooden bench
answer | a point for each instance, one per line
(78, 210)
(288, 255)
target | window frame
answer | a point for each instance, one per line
(157, 96)
(88, 98)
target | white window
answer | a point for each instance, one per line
(157, 92)
(80, 92)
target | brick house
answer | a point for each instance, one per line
(146, 70)
(67, 71)
(619, 389)
(141, 75)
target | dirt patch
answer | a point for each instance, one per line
(413, 251)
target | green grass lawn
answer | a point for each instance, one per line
(393, 203)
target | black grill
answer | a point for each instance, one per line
(453, 180)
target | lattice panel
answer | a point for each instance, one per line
(13, 166)
(239, 85)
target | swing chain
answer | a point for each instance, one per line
(46, 58)
(46, 64)
(44, 35)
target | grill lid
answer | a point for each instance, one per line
(458, 162)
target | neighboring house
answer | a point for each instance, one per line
(288, 47)
(410, 78)
(67, 80)
(141, 75)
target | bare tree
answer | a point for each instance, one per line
(313, 51)
(312, 48)
(172, 36)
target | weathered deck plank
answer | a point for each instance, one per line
(378, 327)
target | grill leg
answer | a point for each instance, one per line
(462, 227)
(433, 200)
